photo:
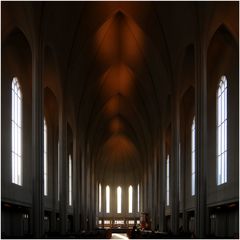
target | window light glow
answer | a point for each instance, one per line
(45, 159)
(130, 198)
(138, 198)
(222, 131)
(100, 197)
(119, 199)
(58, 172)
(16, 122)
(193, 158)
(168, 181)
(107, 199)
(70, 180)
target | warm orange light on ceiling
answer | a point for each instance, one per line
(118, 79)
(116, 125)
(119, 148)
(120, 44)
(119, 39)
(112, 107)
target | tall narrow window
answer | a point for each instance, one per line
(119, 199)
(16, 132)
(193, 158)
(70, 180)
(130, 198)
(45, 159)
(168, 181)
(222, 131)
(179, 171)
(58, 172)
(107, 199)
(138, 198)
(99, 197)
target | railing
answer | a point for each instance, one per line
(118, 222)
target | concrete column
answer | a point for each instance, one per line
(162, 183)
(113, 199)
(37, 140)
(149, 188)
(53, 221)
(143, 183)
(152, 193)
(103, 202)
(94, 196)
(155, 192)
(53, 225)
(183, 188)
(201, 134)
(75, 188)
(174, 166)
(157, 187)
(83, 193)
(141, 197)
(79, 189)
(87, 196)
(89, 189)
(135, 202)
(159, 181)
(63, 170)
(125, 200)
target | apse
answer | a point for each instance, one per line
(119, 160)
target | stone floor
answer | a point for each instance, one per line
(119, 236)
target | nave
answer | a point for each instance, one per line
(119, 118)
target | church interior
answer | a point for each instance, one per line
(120, 119)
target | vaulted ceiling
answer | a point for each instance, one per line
(117, 66)
(115, 71)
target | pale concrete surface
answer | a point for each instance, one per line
(119, 236)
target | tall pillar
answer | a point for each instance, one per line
(155, 192)
(83, 192)
(141, 186)
(53, 225)
(87, 197)
(135, 200)
(103, 202)
(37, 140)
(89, 189)
(94, 196)
(76, 189)
(63, 170)
(79, 160)
(158, 187)
(125, 200)
(174, 166)
(149, 189)
(201, 133)
(162, 183)
(183, 187)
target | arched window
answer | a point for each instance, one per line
(138, 198)
(70, 180)
(193, 151)
(45, 159)
(58, 172)
(222, 131)
(119, 199)
(16, 132)
(168, 181)
(107, 199)
(130, 198)
(99, 197)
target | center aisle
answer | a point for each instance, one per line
(119, 236)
